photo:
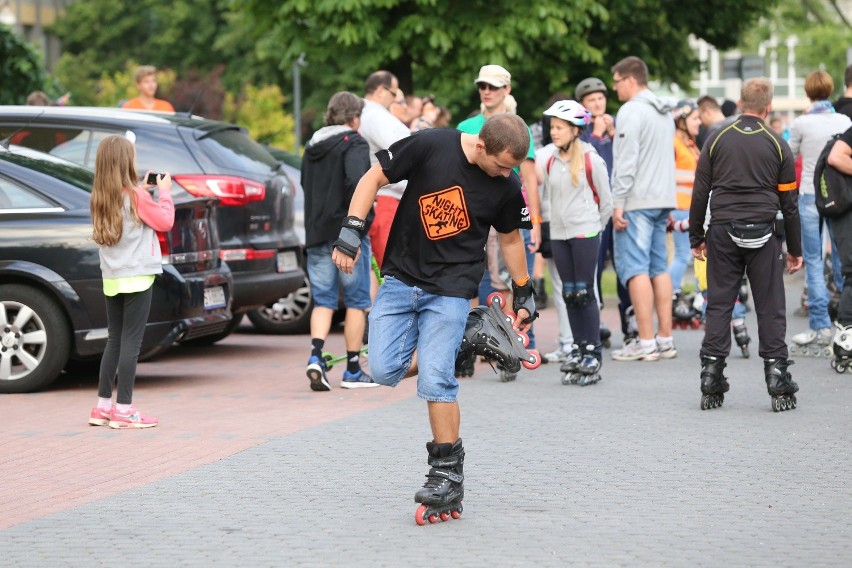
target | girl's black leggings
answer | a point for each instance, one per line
(127, 315)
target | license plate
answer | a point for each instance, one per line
(214, 298)
(287, 261)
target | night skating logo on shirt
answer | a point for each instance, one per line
(444, 213)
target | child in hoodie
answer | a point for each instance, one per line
(335, 159)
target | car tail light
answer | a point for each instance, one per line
(230, 190)
(246, 254)
(164, 247)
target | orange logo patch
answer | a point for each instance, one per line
(444, 213)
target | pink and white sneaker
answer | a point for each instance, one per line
(131, 419)
(100, 416)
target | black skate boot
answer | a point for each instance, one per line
(489, 332)
(465, 363)
(570, 376)
(442, 494)
(714, 384)
(741, 337)
(606, 336)
(780, 384)
(684, 314)
(842, 347)
(590, 366)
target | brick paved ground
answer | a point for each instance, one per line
(627, 472)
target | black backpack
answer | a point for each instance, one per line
(832, 188)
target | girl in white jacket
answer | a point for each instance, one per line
(577, 186)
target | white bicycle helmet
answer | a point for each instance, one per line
(570, 111)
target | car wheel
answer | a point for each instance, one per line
(34, 339)
(213, 338)
(290, 314)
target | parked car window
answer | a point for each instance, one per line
(57, 168)
(47, 139)
(235, 148)
(13, 196)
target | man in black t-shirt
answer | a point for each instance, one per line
(459, 185)
(751, 172)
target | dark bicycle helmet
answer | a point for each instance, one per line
(589, 86)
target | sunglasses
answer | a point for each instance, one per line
(392, 92)
(487, 87)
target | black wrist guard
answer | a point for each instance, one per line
(351, 232)
(522, 298)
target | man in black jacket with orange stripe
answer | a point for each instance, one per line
(750, 171)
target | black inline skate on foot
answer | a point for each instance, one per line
(714, 384)
(570, 376)
(442, 494)
(780, 384)
(489, 332)
(741, 337)
(606, 337)
(465, 364)
(684, 314)
(842, 347)
(590, 367)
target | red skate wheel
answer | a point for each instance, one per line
(420, 515)
(433, 519)
(695, 324)
(501, 299)
(532, 364)
(445, 516)
(455, 514)
(526, 338)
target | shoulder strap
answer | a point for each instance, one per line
(588, 161)
(549, 163)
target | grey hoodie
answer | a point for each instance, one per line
(643, 157)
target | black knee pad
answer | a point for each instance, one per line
(583, 298)
(569, 299)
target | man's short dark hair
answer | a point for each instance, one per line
(634, 67)
(506, 132)
(847, 76)
(709, 103)
(378, 79)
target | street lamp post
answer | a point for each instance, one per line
(297, 100)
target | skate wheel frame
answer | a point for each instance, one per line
(783, 402)
(710, 401)
(430, 514)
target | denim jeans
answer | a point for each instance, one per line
(812, 252)
(682, 252)
(325, 278)
(405, 318)
(530, 266)
(641, 247)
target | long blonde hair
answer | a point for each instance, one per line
(115, 177)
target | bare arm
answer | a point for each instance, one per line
(362, 200)
(530, 180)
(840, 157)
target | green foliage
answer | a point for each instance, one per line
(261, 111)
(21, 69)
(822, 30)
(437, 46)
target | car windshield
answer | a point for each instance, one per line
(235, 150)
(50, 165)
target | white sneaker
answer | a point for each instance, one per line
(634, 351)
(666, 348)
(559, 356)
(820, 336)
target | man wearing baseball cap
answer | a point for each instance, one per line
(495, 85)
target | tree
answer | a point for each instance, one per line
(437, 46)
(100, 36)
(823, 31)
(21, 70)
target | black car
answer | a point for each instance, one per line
(206, 158)
(52, 307)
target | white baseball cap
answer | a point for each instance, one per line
(494, 75)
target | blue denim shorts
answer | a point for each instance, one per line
(326, 279)
(641, 247)
(405, 318)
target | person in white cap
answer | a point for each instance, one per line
(495, 85)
